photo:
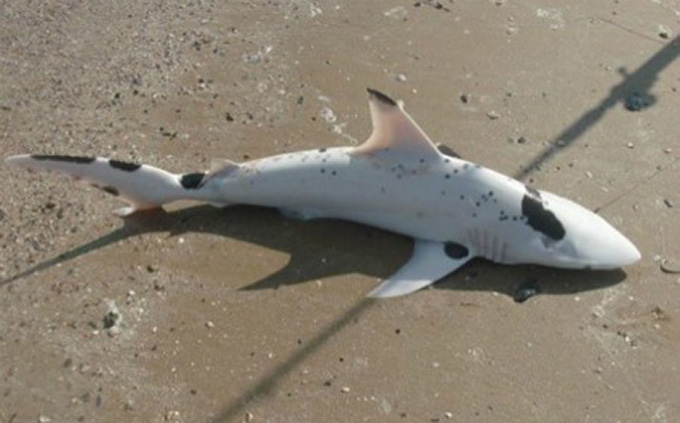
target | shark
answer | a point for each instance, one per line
(397, 180)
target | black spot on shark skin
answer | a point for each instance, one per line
(111, 190)
(67, 159)
(126, 166)
(541, 219)
(381, 97)
(456, 251)
(192, 180)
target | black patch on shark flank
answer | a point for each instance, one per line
(67, 159)
(456, 251)
(192, 180)
(381, 97)
(126, 166)
(541, 219)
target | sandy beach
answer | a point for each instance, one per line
(199, 314)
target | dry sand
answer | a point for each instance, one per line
(241, 315)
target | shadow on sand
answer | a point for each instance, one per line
(320, 249)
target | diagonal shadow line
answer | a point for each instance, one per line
(144, 222)
(266, 385)
(115, 236)
(640, 82)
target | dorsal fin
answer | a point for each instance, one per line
(394, 130)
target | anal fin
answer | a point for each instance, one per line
(429, 263)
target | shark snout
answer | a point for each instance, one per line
(589, 240)
(609, 250)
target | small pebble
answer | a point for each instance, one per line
(668, 150)
(526, 290)
(400, 77)
(209, 324)
(493, 115)
(670, 266)
(630, 145)
(636, 102)
(664, 32)
(110, 319)
(344, 389)
(44, 419)
(448, 415)
(249, 416)
(668, 203)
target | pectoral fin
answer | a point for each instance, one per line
(430, 262)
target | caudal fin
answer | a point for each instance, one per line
(141, 186)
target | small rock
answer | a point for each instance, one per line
(249, 416)
(448, 415)
(44, 419)
(664, 32)
(670, 266)
(111, 317)
(636, 102)
(630, 145)
(665, 150)
(526, 290)
(345, 389)
(464, 98)
(668, 203)
(209, 324)
(493, 115)
(400, 77)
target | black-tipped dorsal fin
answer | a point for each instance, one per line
(394, 130)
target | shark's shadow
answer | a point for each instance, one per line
(320, 249)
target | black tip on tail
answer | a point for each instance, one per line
(67, 159)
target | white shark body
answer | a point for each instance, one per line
(397, 180)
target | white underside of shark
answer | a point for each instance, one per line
(397, 180)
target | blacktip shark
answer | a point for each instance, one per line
(397, 180)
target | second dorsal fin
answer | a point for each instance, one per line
(394, 130)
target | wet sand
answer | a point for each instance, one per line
(242, 315)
